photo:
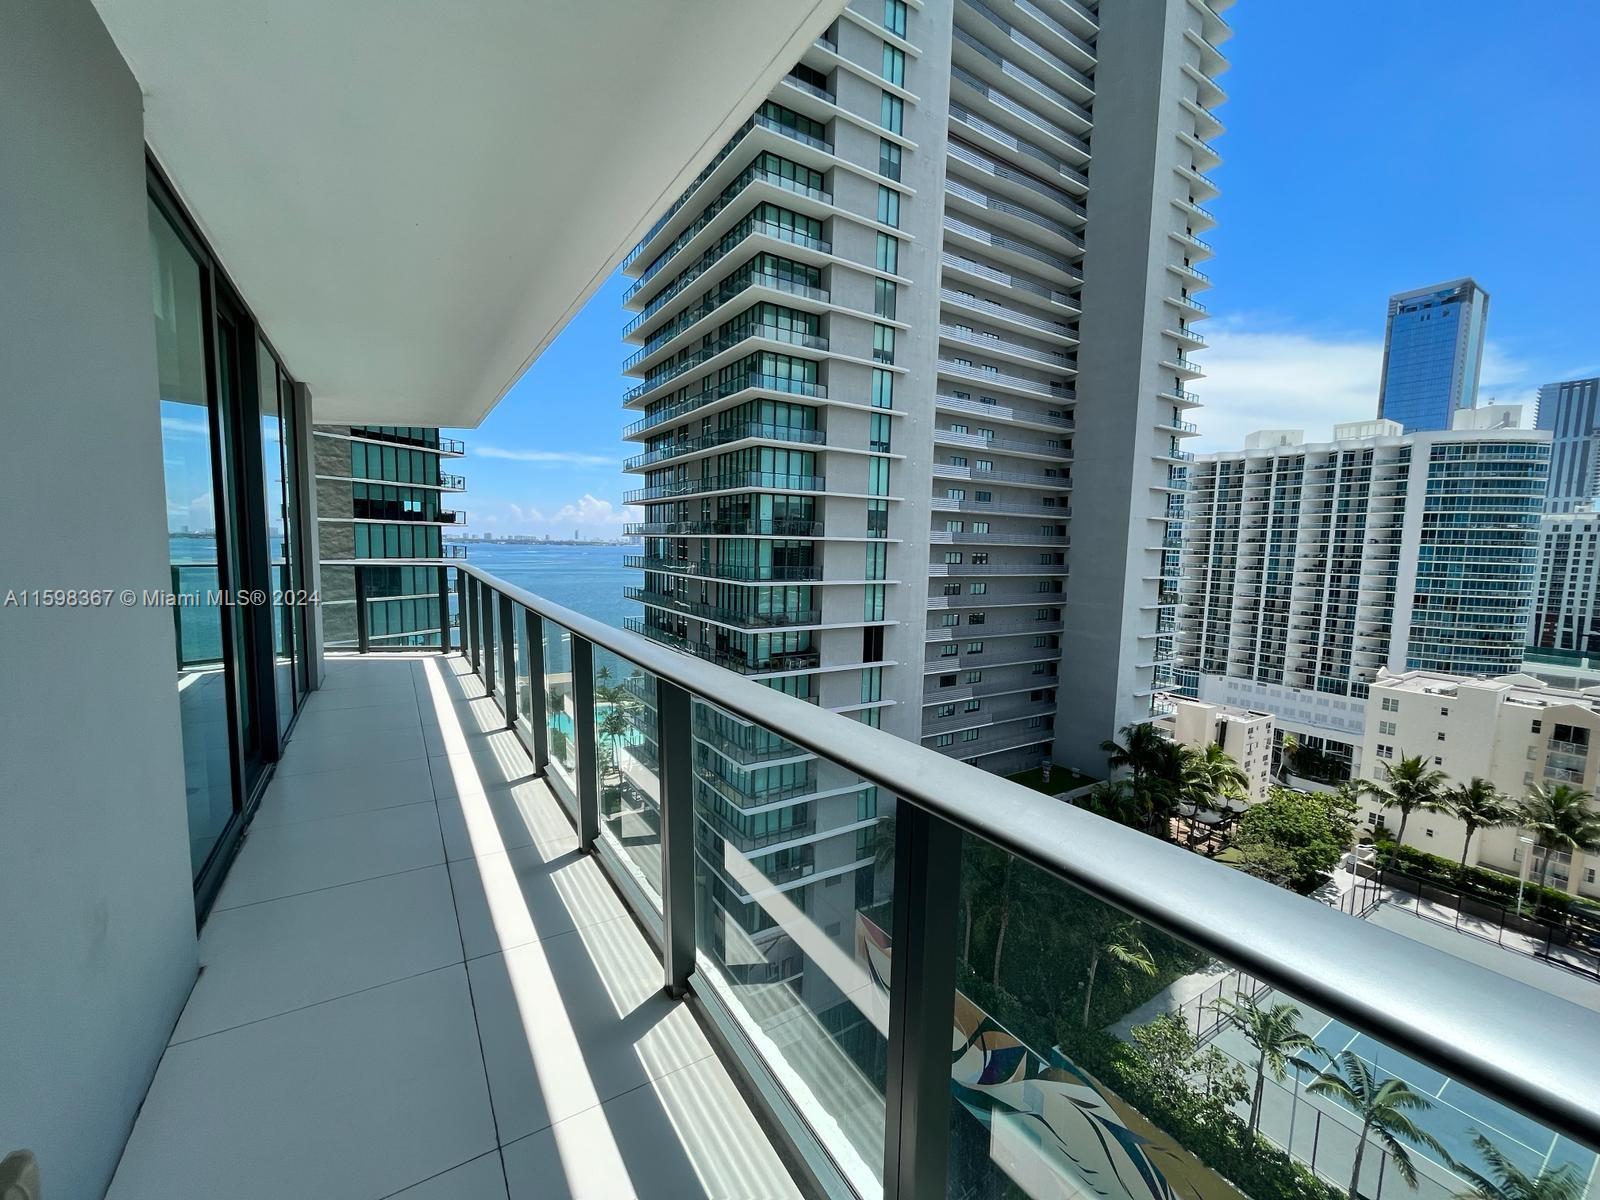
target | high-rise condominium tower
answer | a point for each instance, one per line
(383, 494)
(1432, 354)
(1571, 412)
(923, 323)
(1307, 568)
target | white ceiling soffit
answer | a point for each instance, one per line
(415, 197)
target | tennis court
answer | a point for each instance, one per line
(1324, 1133)
(1458, 1111)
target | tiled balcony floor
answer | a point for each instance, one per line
(414, 985)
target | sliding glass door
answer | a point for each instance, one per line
(229, 450)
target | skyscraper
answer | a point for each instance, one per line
(1566, 615)
(1571, 412)
(1432, 354)
(382, 493)
(882, 342)
(1309, 567)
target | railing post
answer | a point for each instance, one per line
(361, 608)
(584, 739)
(538, 717)
(486, 639)
(675, 770)
(508, 657)
(444, 609)
(469, 614)
(922, 1000)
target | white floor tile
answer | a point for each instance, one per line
(487, 822)
(684, 1136)
(359, 1097)
(265, 959)
(354, 722)
(481, 1179)
(309, 750)
(344, 790)
(284, 860)
(485, 763)
(570, 1022)
(507, 900)
(397, 694)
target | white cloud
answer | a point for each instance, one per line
(1260, 375)
(184, 425)
(593, 511)
(571, 458)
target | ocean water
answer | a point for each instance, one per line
(589, 579)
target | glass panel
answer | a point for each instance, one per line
(501, 683)
(276, 509)
(186, 429)
(524, 683)
(793, 881)
(626, 746)
(558, 711)
(1097, 1055)
(292, 541)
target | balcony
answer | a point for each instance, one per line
(749, 431)
(506, 1000)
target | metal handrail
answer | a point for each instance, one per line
(1444, 1011)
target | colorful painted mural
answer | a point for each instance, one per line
(1052, 1130)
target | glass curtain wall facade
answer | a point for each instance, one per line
(1432, 354)
(384, 492)
(232, 445)
(1571, 412)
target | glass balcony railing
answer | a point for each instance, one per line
(1010, 996)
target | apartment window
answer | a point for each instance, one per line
(952, 589)
(973, 677)
(878, 477)
(877, 561)
(872, 603)
(1390, 704)
(882, 388)
(947, 681)
(888, 206)
(1385, 751)
(980, 527)
(894, 17)
(983, 497)
(944, 710)
(1536, 726)
(878, 433)
(1438, 761)
(1387, 728)
(892, 113)
(1588, 874)
(944, 739)
(958, 460)
(974, 647)
(1444, 712)
(978, 589)
(949, 651)
(883, 343)
(977, 618)
(975, 705)
(950, 620)
(888, 254)
(888, 159)
(952, 557)
(884, 297)
(955, 493)
(871, 685)
(970, 735)
(1440, 735)
(894, 67)
(981, 558)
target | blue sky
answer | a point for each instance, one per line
(1395, 145)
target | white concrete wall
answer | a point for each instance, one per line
(97, 947)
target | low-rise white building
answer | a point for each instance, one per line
(1513, 730)
(1245, 736)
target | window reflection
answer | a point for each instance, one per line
(179, 313)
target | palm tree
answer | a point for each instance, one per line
(1275, 1033)
(1507, 1181)
(1411, 786)
(1478, 805)
(1215, 771)
(1560, 818)
(1143, 750)
(1383, 1105)
(1120, 947)
(1287, 749)
(1116, 801)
